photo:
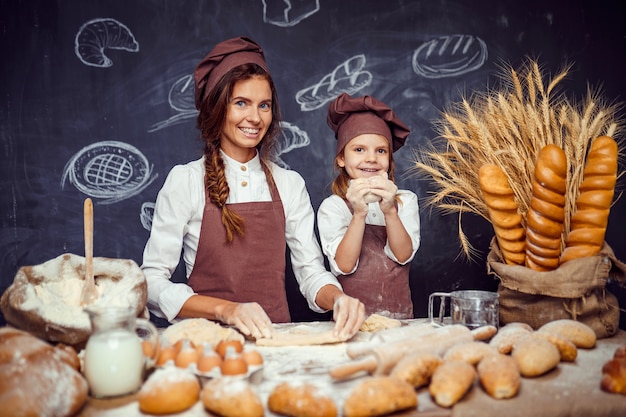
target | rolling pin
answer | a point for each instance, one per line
(380, 358)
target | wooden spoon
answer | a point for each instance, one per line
(90, 293)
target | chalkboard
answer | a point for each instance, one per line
(97, 101)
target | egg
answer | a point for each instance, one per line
(233, 363)
(223, 345)
(252, 357)
(209, 359)
(150, 349)
(167, 352)
(187, 355)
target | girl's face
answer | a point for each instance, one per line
(248, 116)
(365, 156)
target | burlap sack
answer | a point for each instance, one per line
(575, 290)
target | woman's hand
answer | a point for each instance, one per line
(349, 314)
(249, 318)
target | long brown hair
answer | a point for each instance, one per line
(341, 183)
(211, 117)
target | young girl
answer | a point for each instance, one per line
(368, 228)
(232, 212)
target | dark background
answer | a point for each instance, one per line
(53, 107)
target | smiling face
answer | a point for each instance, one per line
(365, 156)
(248, 116)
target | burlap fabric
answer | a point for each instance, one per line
(575, 290)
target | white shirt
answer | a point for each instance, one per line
(178, 217)
(334, 216)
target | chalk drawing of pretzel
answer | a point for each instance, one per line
(99, 34)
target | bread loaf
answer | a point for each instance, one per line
(503, 213)
(416, 369)
(535, 356)
(589, 221)
(301, 400)
(581, 335)
(546, 213)
(168, 390)
(379, 395)
(451, 381)
(38, 379)
(499, 376)
(231, 397)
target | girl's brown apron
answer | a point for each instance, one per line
(252, 267)
(379, 282)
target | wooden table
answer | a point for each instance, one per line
(572, 389)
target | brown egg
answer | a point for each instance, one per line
(233, 363)
(187, 355)
(209, 359)
(252, 357)
(223, 345)
(179, 344)
(150, 349)
(167, 352)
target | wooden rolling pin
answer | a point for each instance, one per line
(380, 358)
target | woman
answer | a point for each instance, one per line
(369, 229)
(233, 211)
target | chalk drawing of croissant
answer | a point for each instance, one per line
(99, 34)
(345, 78)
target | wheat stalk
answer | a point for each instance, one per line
(508, 126)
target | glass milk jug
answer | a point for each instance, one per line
(114, 362)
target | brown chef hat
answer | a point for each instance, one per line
(225, 56)
(349, 117)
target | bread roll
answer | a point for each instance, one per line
(508, 334)
(416, 369)
(503, 213)
(535, 356)
(546, 213)
(614, 376)
(301, 400)
(499, 376)
(379, 395)
(38, 379)
(168, 390)
(567, 350)
(231, 397)
(589, 221)
(472, 352)
(451, 381)
(581, 335)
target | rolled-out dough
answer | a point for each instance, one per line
(299, 338)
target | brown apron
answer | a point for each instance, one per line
(379, 282)
(252, 267)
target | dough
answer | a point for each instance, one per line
(200, 331)
(376, 322)
(300, 336)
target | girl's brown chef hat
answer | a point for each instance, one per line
(349, 117)
(225, 56)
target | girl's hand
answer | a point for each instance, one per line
(386, 189)
(357, 190)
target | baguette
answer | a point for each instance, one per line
(589, 221)
(503, 213)
(546, 213)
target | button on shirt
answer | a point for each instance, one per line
(178, 218)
